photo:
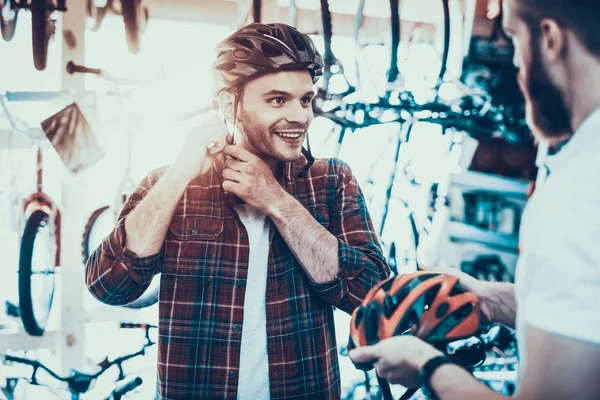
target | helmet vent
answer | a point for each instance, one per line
(410, 318)
(456, 290)
(226, 67)
(430, 296)
(270, 50)
(264, 30)
(372, 325)
(243, 42)
(300, 45)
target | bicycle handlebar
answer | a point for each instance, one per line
(80, 382)
(126, 387)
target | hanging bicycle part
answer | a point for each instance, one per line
(103, 220)
(39, 248)
(9, 12)
(79, 382)
(39, 256)
(135, 18)
(422, 46)
(43, 28)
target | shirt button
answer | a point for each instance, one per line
(240, 282)
(242, 236)
(236, 328)
(231, 374)
(194, 231)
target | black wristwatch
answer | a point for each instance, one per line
(428, 370)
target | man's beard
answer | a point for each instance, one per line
(550, 116)
(261, 145)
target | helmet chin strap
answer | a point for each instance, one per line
(309, 159)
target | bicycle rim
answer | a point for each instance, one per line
(36, 273)
(90, 234)
(98, 227)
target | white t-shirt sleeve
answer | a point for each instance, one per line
(563, 294)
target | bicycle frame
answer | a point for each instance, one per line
(79, 382)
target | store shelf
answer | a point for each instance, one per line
(461, 232)
(478, 181)
(16, 339)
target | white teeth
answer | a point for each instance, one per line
(289, 135)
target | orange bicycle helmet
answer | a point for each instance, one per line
(432, 306)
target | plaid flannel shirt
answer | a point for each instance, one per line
(204, 263)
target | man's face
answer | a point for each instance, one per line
(274, 114)
(548, 115)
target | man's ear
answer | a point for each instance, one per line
(225, 101)
(553, 39)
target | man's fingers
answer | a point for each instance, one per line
(230, 186)
(364, 354)
(439, 270)
(235, 164)
(238, 152)
(232, 175)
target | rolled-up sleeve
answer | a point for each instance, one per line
(114, 274)
(361, 261)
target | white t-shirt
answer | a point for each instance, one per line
(558, 272)
(254, 363)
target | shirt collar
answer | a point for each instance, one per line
(583, 139)
(291, 169)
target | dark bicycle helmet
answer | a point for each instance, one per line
(431, 306)
(257, 49)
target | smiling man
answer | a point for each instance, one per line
(256, 241)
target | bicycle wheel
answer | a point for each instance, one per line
(36, 272)
(401, 241)
(132, 17)
(327, 36)
(423, 38)
(8, 19)
(99, 225)
(91, 239)
(42, 29)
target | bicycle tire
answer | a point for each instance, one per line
(328, 57)
(393, 70)
(392, 255)
(446, 50)
(8, 27)
(132, 18)
(40, 33)
(33, 325)
(147, 299)
(85, 243)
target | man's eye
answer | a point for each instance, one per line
(277, 100)
(306, 100)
